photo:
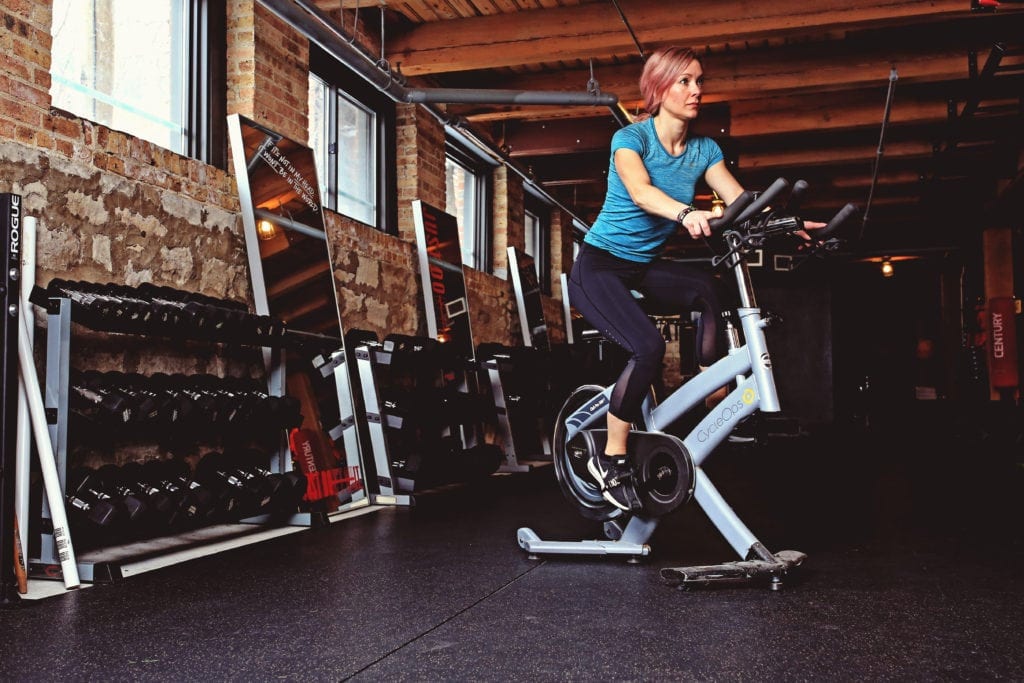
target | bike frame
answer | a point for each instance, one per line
(749, 365)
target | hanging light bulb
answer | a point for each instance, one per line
(886, 267)
(266, 230)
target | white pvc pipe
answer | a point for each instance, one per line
(47, 460)
(23, 445)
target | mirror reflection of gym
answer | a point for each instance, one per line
(290, 266)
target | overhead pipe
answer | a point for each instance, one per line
(318, 27)
(466, 96)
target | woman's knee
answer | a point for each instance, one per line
(651, 349)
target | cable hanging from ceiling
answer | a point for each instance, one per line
(893, 76)
(622, 15)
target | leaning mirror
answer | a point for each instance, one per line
(290, 269)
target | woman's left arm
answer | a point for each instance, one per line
(728, 188)
(723, 182)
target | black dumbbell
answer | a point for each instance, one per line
(95, 403)
(128, 498)
(269, 488)
(160, 503)
(148, 407)
(195, 504)
(236, 498)
(197, 407)
(87, 503)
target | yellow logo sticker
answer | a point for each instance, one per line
(748, 396)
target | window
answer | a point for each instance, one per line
(351, 132)
(467, 197)
(151, 69)
(538, 231)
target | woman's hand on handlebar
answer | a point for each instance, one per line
(808, 239)
(695, 223)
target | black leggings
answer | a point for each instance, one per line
(599, 288)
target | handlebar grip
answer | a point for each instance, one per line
(844, 215)
(728, 216)
(796, 196)
(764, 199)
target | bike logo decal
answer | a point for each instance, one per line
(766, 360)
(748, 396)
(584, 413)
(725, 415)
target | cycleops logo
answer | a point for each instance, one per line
(725, 416)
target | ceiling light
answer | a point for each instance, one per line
(886, 267)
(266, 230)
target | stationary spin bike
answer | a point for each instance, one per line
(668, 470)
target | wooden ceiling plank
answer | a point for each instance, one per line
(832, 155)
(734, 78)
(581, 32)
(780, 115)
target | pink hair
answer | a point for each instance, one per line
(660, 71)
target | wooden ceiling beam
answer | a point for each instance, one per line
(585, 31)
(751, 76)
(799, 158)
(561, 136)
(748, 119)
(782, 115)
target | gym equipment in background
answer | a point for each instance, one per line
(419, 415)
(526, 286)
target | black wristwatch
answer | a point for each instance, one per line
(684, 213)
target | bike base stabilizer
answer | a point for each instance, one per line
(770, 571)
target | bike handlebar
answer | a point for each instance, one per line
(764, 200)
(844, 215)
(795, 196)
(749, 205)
(728, 217)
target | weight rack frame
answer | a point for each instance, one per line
(110, 563)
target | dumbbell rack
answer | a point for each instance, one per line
(115, 562)
(521, 433)
(372, 361)
(369, 355)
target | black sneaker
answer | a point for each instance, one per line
(615, 475)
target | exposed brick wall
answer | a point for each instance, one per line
(508, 216)
(493, 307)
(421, 160)
(560, 248)
(268, 69)
(25, 71)
(241, 57)
(376, 277)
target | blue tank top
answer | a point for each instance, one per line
(624, 229)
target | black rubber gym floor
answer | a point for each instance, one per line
(915, 571)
